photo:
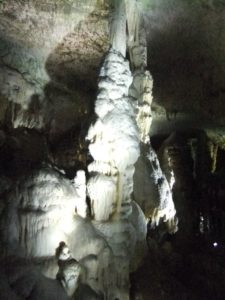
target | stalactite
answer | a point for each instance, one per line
(49, 209)
(133, 17)
(193, 147)
(81, 207)
(176, 156)
(114, 145)
(213, 149)
(204, 164)
(118, 27)
(114, 138)
(141, 91)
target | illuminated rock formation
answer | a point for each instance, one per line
(148, 174)
(114, 144)
(69, 269)
(114, 139)
(89, 190)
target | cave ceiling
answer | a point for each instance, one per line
(51, 53)
(54, 136)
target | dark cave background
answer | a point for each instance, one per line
(50, 56)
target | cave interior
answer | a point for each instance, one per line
(112, 149)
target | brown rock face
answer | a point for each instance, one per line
(50, 55)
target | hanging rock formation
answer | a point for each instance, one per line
(114, 145)
(154, 194)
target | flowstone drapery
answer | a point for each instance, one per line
(90, 250)
(114, 144)
(119, 136)
(151, 188)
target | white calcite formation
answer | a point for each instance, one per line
(69, 269)
(36, 213)
(89, 251)
(165, 209)
(141, 91)
(114, 142)
(117, 26)
(114, 145)
(151, 188)
(81, 207)
(41, 214)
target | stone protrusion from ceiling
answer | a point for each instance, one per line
(47, 51)
(177, 162)
(161, 207)
(114, 145)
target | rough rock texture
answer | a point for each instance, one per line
(114, 145)
(51, 53)
(191, 32)
(42, 211)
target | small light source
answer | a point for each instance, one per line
(215, 244)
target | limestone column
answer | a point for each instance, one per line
(148, 169)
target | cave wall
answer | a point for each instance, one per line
(50, 58)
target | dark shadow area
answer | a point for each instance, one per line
(189, 264)
(185, 51)
(66, 106)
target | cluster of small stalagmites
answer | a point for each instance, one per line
(47, 208)
(38, 212)
(69, 269)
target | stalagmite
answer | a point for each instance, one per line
(114, 145)
(114, 139)
(69, 269)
